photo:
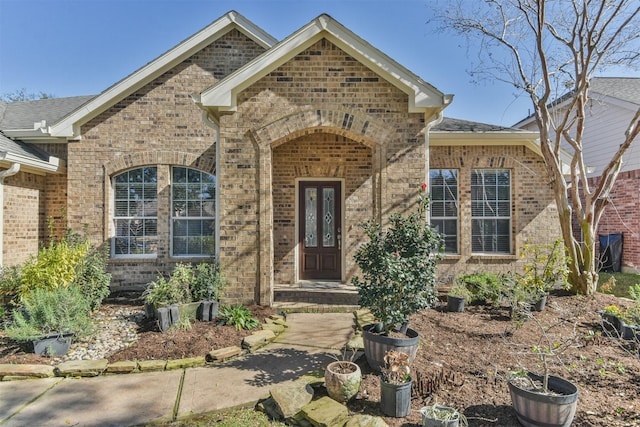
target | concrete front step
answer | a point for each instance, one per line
(323, 295)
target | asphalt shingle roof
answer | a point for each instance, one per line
(23, 114)
(8, 145)
(457, 125)
(624, 88)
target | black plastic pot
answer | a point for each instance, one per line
(395, 399)
(539, 304)
(376, 345)
(455, 304)
(53, 344)
(535, 409)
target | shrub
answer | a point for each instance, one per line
(239, 316)
(398, 266)
(48, 311)
(92, 277)
(208, 282)
(483, 286)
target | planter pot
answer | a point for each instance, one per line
(539, 304)
(629, 332)
(612, 324)
(53, 344)
(455, 304)
(430, 421)
(342, 380)
(207, 311)
(376, 345)
(395, 399)
(535, 409)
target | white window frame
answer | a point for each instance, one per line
(175, 217)
(454, 200)
(143, 217)
(488, 205)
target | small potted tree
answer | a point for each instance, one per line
(398, 266)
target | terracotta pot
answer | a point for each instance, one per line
(342, 380)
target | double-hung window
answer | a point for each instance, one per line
(193, 212)
(491, 211)
(443, 187)
(136, 212)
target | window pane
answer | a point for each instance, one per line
(135, 212)
(193, 210)
(491, 210)
(443, 188)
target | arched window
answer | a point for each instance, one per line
(193, 212)
(135, 217)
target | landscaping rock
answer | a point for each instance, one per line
(82, 368)
(123, 367)
(257, 339)
(365, 421)
(223, 353)
(326, 412)
(151, 365)
(190, 362)
(291, 398)
(275, 328)
(27, 371)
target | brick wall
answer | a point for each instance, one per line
(159, 125)
(24, 219)
(622, 215)
(534, 212)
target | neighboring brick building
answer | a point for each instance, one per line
(613, 103)
(268, 155)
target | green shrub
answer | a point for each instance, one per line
(483, 286)
(49, 311)
(208, 282)
(92, 277)
(10, 287)
(239, 316)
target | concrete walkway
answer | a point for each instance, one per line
(132, 399)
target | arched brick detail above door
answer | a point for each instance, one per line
(174, 158)
(354, 125)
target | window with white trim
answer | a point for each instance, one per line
(443, 188)
(491, 211)
(135, 217)
(193, 212)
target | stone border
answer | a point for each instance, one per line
(273, 326)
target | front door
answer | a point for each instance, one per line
(320, 230)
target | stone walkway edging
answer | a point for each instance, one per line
(94, 368)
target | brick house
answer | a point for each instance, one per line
(268, 155)
(613, 103)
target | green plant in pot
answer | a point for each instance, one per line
(457, 296)
(398, 265)
(53, 315)
(442, 416)
(545, 269)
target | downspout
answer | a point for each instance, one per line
(14, 169)
(216, 127)
(427, 142)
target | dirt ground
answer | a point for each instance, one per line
(463, 361)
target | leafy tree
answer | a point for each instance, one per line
(23, 95)
(550, 50)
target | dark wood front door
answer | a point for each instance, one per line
(320, 230)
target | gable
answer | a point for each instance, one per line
(421, 96)
(70, 126)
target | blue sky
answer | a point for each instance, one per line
(81, 47)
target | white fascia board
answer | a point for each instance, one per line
(70, 125)
(422, 96)
(54, 165)
(527, 139)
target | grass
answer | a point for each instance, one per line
(240, 417)
(622, 283)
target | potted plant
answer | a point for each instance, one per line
(457, 296)
(545, 269)
(50, 318)
(395, 384)
(342, 378)
(398, 265)
(543, 399)
(441, 416)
